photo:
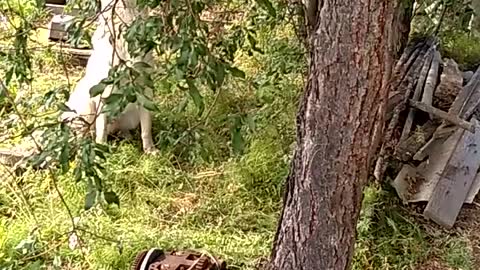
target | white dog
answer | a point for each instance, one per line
(98, 66)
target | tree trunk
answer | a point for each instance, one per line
(352, 51)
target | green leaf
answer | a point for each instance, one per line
(90, 199)
(65, 156)
(113, 98)
(132, 98)
(182, 105)
(184, 54)
(149, 105)
(146, 80)
(194, 59)
(142, 66)
(111, 197)
(220, 73)
(97, 89)
(146, 102)
(103, 148)
(8, 76)
(238, 142)
(64, 108)
(77, 172)
(201, 49)
(100, 154)
(236, 72)
(268, 6)
(251, 123)
(196, 96)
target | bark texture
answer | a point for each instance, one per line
(338, 125)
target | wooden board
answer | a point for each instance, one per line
(432, 169)
(474, 189)
(457, 178)
(401, 182)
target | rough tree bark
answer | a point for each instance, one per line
(353, 44)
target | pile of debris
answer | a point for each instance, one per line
(433, 132)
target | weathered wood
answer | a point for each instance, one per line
(407, 148)
(406, 68)
(449, 87)
(473, 102)
(428, 148)
(456, 180)
(432, 169)
(474, 189)
(444, 115)
(406, 87)
(401, 182)
(431, 81)
(438, 138)
(417, 94)
(465, 97)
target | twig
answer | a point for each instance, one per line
(440, 21)
(444, 115)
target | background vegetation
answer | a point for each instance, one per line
(217, 184)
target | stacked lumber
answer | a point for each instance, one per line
(433, 132)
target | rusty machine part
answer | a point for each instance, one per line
(157, 259)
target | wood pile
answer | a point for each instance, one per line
(432, 132)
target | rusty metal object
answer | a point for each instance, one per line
(156, 259)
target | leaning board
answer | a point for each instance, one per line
(456, 179)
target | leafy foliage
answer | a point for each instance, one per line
(193, 53)
(454, 23)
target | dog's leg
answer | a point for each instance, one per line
(146, 127)
(101, 129)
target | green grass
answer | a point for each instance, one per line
(197, 194)
(389, 237)
(457, 253)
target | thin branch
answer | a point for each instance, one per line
(444, 115)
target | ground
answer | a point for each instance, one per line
(466, 228)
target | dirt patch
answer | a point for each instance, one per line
(469, 224)
(433, 264)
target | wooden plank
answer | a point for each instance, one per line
(432, 169)
(456, 180)
(431, 81)
(455, 109)
(428, 148)
(444, 115)
(464, 96)
(401, 182)
(417, 94)
(474, 189)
